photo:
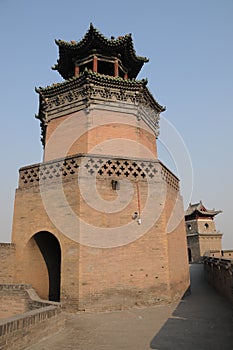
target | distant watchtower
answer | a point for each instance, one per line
(202, 235)
(94, 223)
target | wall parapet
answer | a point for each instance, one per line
(226, 254)
(20, 298)
(26, 329)
(94, 165)
(6, 245)
(22, 330)
(219, 273)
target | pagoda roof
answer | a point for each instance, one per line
(87, 78)
(200, 209)
(95, 42)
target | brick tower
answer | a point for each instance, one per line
(202, 235)
(99, 223)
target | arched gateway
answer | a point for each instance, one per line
(41, 266)
(51, 252)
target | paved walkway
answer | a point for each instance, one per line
(201, 321)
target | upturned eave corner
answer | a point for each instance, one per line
(94, 41)
(41, 116)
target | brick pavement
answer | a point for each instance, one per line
(201, 321)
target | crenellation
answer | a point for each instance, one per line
(219, 272)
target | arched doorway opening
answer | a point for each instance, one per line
(51, 252)
(190, 255)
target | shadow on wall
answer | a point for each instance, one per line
(202, 320)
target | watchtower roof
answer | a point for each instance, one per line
(199, 210)
(96, 43)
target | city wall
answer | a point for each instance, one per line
(218, 272)
(226, 254)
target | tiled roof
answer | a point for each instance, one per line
(94, 40)
(199, 208)
(107, 79)
(88, 77)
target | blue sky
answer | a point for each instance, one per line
(190, 71)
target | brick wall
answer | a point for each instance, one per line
(21, 331)
(7, 251)
(206, 226)
(99, 132)
(96, 277)
(214, 254)
(24, 318)
(122, 277)
(211, 242)
(193, 244)
(218, 272)
(176, 244)
(227, 254)
(12, 304)
(16, 299)
(202, 244)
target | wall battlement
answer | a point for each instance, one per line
(218, 272)
(22, 312)
(226, 254)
